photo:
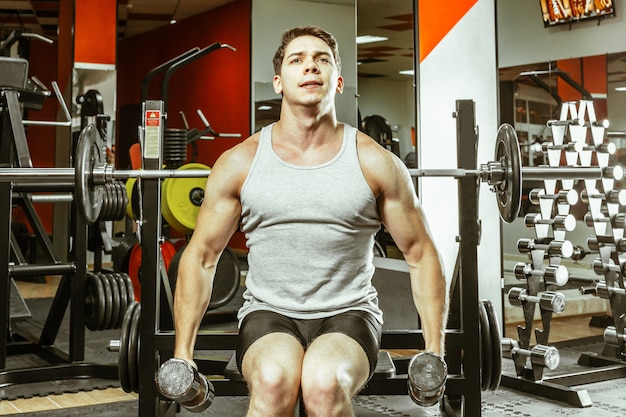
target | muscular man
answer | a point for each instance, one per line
(310, 193)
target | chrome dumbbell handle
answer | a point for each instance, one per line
(557, 275)
(540, 355)
(548, 300)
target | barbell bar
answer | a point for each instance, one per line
(91, 173)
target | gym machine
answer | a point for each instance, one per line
(18, 93)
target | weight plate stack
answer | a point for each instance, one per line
(490, 346)
(175, 147)
(107, 297)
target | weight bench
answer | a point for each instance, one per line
(385, 368)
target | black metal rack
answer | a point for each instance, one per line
(14, 153)
(463, 393)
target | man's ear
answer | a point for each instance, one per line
(339, 85)
(278, 87)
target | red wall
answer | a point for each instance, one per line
(590, 72)
(217, 83)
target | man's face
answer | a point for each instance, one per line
(308, 73)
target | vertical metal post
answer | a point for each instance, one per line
(5, 230)
(469, 232)
(77, 288)
(153, 132)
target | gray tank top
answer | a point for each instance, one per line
(310, 233)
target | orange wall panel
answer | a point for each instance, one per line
(436, 19)
(96, 31)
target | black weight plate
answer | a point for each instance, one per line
(496, 347)
(116, 310)
(121, 253)
(108, 305)
(94, 302)
(122, 356)
(106, 203)
(485, 346)
(88, 197)
(133, 349)
(124, 302)
(123, 200)
(130, 292)
(114, 202)
(227, 279)
(509, 192)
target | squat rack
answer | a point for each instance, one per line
(463, 393)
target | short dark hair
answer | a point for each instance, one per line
(296, 32)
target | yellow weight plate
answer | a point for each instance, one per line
(130, 184)
(181, 199)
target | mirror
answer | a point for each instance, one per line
(530, 96)
(269, 19)
(385, 75)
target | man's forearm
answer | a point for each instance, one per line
(191, 299)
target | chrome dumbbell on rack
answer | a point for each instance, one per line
(548, 300)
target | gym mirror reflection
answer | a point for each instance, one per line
(530, 96)
(384, 65)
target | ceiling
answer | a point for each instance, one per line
(392, 19)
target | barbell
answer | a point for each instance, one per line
(91, 173)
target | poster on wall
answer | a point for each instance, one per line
(558, 12)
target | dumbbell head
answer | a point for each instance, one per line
(557, 275)
(427, 375)
(546, 356)
(179, 381)
(516, 296)
(552, 301)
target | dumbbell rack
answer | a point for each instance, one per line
(570, 142)
(71, 290)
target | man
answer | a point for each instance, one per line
(310, 193)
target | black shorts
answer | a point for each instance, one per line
(358, 325)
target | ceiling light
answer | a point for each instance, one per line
(369, 39)
(172, 21)
(620, 88)
(407, 72)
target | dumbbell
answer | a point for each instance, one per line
(613, 196)
(600, 268)
(179, 381)
(427, 375)
(617, 221)
(569, 197)
(549, 300)
(612, 338)
(565, 222)
(552, 275)
(594, 243)
(560, 248)
(541, 355)
(602, 290)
